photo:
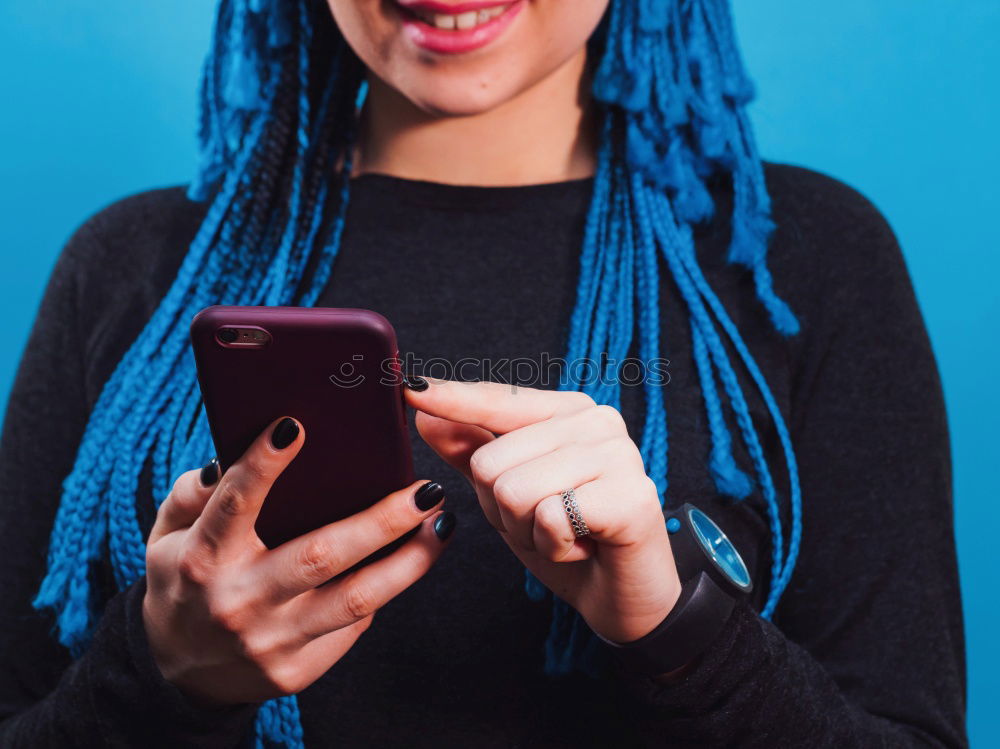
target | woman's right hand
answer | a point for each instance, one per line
(230, 621)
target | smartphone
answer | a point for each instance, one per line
(334, 370)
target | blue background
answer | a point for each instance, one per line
(895, 97)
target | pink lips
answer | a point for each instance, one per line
(455, 41)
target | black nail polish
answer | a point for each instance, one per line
(444, 526)
(415, 382)
(284, 433)
(210, 472)
(428, 495)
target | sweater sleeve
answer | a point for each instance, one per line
(114, 694)
(866, 648)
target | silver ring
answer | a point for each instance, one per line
(573, 511)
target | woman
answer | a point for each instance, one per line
(454, 158)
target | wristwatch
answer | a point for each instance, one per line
(713, 579)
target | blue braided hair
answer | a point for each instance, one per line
(279, 96)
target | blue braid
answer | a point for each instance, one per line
(653, 445)
(275, 165)
(784, 436)
(729, 479)
(675, 241)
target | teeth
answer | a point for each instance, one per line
(443, 21)
(460, 21)
(466, 20)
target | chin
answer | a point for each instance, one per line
(458, 95)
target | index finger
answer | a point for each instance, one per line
(233, 508)
(492, 405)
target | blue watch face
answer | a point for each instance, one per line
(719, 548)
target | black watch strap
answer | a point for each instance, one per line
(696, 620)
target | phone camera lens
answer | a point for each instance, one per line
(228, 335)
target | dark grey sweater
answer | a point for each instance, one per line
(866, 648)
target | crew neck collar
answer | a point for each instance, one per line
(441, 194)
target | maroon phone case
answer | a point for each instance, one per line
(337, 372)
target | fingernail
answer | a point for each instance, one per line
(428, 495)
(210, 472)
(444, 526)
(415, 382)
(284, 433)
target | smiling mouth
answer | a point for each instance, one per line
(463, 21)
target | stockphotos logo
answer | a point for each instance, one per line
(349, 376)
(546, 372)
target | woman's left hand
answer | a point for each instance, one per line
(621, 578)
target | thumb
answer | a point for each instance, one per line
(454, 442)
(186, 500)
